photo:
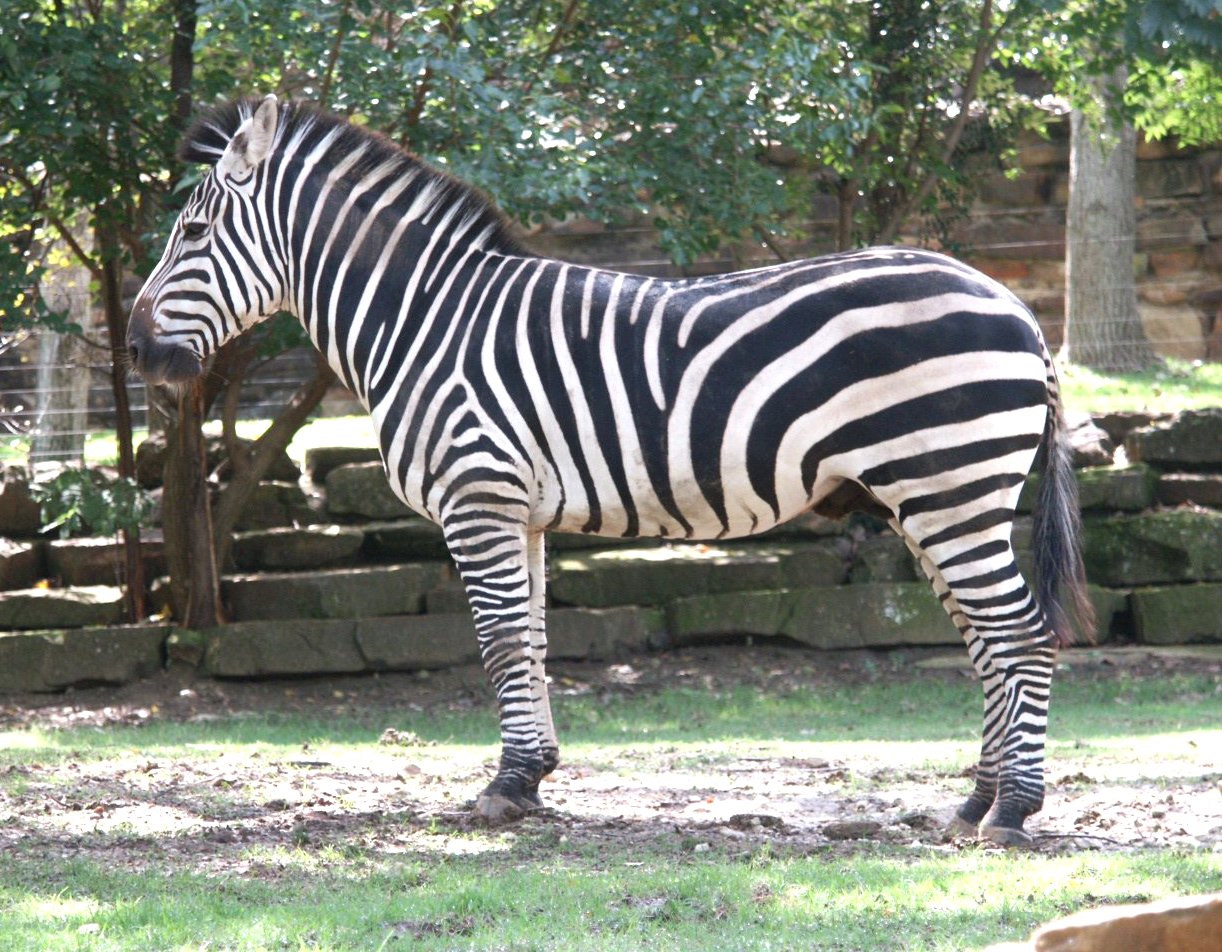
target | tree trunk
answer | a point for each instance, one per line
(245, 475)
(116, 332)
(195, 589)
(1103, 329)
(63, 374)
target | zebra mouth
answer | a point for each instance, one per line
(160, 363)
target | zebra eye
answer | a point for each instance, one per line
(194, 229)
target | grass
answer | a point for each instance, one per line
(1179, 386)
(398, 882)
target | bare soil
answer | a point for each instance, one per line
(207, 812)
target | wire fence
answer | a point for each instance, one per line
(51, 411)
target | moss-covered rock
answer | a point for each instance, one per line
(1155, 547)
(1191, 440)
(1178, 614)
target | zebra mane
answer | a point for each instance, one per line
(306, 124)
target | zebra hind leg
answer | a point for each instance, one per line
(979, 583)
(493, 555)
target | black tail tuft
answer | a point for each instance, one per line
(1057, 537)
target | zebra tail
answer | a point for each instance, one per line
(1060, 576)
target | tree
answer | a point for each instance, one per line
(1122, 63)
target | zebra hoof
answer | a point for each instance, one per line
(493, 809)
(961, 827)
(1008, 836)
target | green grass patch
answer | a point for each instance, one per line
(1180, 385)
(407, 881)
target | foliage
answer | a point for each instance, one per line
(86, 502)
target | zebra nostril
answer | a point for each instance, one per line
(133, 351)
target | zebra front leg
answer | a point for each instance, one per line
(492, 556)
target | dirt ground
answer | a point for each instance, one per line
(207, 812)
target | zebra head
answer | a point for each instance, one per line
(215, 277)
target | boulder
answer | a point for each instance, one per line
(1104, 488)
(1090, 444)
(338, 593)
(57, 659)
(274, 504)
(100, 561)
(60, 607)
(20, 515)
(21, 563)
(1198, 489)
(320, 460)
(405, 539)
(849, 616)
(1179, 924)
(1120, 423)
(1155, 547)
(151, 453)
(311, 547)
(1190, 441)
(417, 642)
(1178, 614)
(654, 576)
(884, 558)
(294, 646)
(361, 489)
(599, 634)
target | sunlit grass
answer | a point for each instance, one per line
(414, 886)
(1180, 385)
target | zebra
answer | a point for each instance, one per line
(515, 395)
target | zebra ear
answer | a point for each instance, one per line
(253, 140)
(262, 131)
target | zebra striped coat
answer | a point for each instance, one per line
(514, 395)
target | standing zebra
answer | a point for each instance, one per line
(514, 395)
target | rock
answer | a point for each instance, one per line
(100, 561)
(274, 504)
(598, 634)
(1155, 547)
(60, 607)
(361, 489)
(654, 576)
(848, 616)
(1180, 924)
(1103, 488)
(151, 453)
(884, 558)
(55, 660)
(1119, 424)
(1200, 489)
(297, 646)
(320, 460)
(21, 563)
(312, 547)
(1178, 614)
(417, 642)
(1173, 331)
(20, 515)
(1090, 444)
(1190, 441)
(405, 539)
(851, 829)
(338, 593)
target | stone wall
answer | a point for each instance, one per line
(344, 579)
